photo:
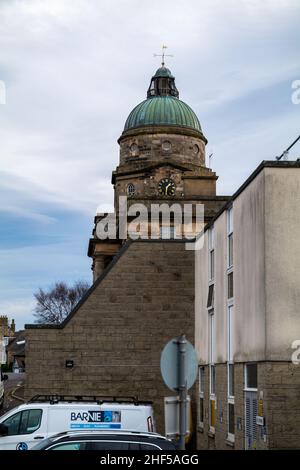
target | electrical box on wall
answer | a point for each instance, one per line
(260, 420)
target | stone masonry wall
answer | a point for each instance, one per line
(279, 389)
(116, 336)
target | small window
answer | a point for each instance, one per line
(210, 297)
(251, 376)
(201, 395)
(195, 149)
(212, 380)
(212, 414)
(230, 285)
(134, 149)
(231, 418)
(230, 250)
(231, 380)
(201, 379)
(201, 411)
(130, 189)
(166, 146)
(230, 220)
(70, 446)
(211, 265)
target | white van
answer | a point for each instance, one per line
(2, 379)
(43, 416)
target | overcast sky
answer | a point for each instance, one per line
(74, 69)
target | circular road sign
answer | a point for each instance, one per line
(169, 364)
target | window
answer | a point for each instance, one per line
(230, 375)
(130, 189)
(70, 446)
(210, 298)
(230, 285)
(230, 420)
(230, 333)
(212, 414)
(251, 376)
(212, 373)
(230, 236)
(30, 421)
(24, 422)
(201, 396)
(230, 370)
(13, 423)
(167, 233)
(212, 380)
(230, 250)
(211, 253)
(211, 337)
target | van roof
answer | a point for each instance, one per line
(81, 399)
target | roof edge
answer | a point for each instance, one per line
(60, 326)
(261, 166)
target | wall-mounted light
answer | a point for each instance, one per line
(69, 364)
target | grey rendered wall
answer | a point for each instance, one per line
(282, 261)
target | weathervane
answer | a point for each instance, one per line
(163, 55)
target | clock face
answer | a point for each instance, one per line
(166, 187)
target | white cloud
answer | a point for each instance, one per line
(74, 69)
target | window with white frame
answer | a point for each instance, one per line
(230, 374)
(201, 396)
(230, 285)
(211, 253)
(212, 372)
(230, 237)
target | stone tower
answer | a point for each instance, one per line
(162, 160)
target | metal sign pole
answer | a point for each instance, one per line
(182, 390)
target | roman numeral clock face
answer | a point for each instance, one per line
(166, 187)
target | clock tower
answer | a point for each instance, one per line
(162, 160)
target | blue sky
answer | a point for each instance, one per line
(73, 70)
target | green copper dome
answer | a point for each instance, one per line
(162, 110)
(162, 106)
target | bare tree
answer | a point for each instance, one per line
(55, 304)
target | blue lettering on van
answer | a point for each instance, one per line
(97, 416)
(96, 426)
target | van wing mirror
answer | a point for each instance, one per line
(3, 430)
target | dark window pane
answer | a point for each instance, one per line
(230, 285)
(212, 379)
(230, 249)
(13, 423)
(70, 446)
(201, 410)
(231, 418)
(211, 264)
(30, 421)
(251, 375)
(201, 381)
(210, 298)
(212, 413)
(231, 380)
(110, 445)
